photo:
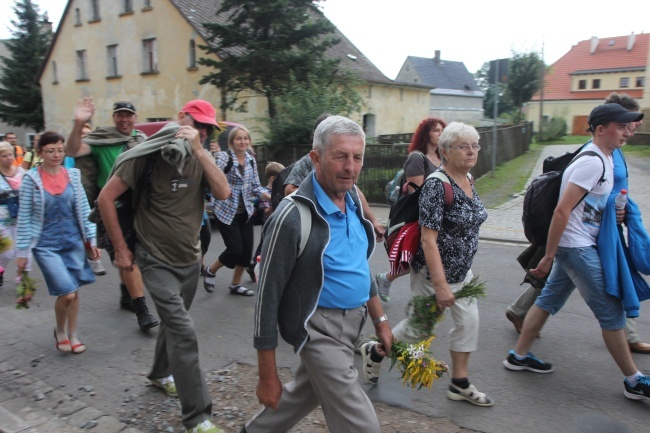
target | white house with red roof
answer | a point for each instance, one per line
(588, 73)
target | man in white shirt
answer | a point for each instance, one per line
(571, 248)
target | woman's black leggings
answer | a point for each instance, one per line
(238, 237)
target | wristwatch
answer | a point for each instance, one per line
(379, 319)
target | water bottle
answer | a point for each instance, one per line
(621, 199)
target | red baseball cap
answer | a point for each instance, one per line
(202, 111)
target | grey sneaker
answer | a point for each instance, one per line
(371, 369)
(97, 267)
(383, 286)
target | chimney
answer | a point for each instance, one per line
(46, 24)
(594, 44)
(630, 41)
(436, 59)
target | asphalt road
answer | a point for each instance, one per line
(585, 393)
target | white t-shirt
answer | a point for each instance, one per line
(584, 221)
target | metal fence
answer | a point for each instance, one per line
(382, 161)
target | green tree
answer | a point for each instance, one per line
(260, 44)
(304, 101)
(20, 95)
(524, 79)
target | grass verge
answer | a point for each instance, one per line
(569, 139)
(637, 150)
(509, 178)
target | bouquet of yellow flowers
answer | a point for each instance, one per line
(415, 361)
(24, 291)
(426, 314)
(418, 368)
(5, 244)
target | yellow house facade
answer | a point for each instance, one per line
(146, 52)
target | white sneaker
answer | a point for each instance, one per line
(97, 267)
(370, 368)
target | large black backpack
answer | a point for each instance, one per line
(406, 208)
(543, 193)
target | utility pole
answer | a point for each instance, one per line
(495, 114)
(541, 97)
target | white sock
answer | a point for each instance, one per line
(634, 379)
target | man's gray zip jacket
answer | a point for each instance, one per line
(289, 286)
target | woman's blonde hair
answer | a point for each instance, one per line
(5, 146)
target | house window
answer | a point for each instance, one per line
(82, 67)
(127, 6)
(192, 57)
(149, 56)
(77, 17)
(582, 84)
(111, 61)
(94, 10)
(147, 4)
(640, 81)
(55, 73)
(595, 84)
(625, 82)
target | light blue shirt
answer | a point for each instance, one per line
(346, 282)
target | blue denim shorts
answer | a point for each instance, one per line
(580, 268)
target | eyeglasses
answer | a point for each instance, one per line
(53, 151)
(465, 147)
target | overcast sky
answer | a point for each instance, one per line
(471, 31)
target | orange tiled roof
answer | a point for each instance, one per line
(611, 53)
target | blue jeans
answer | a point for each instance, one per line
(581, 268)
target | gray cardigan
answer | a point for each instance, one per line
(290, 286)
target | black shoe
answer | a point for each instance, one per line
(2, 278)
(529, 363)
(127, 304)
(145, 320)
(640, 391)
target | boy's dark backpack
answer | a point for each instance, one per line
(559, 163)
(406, 208)
(543, 193)
(277, 187)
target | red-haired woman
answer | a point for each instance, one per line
(424, 159)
